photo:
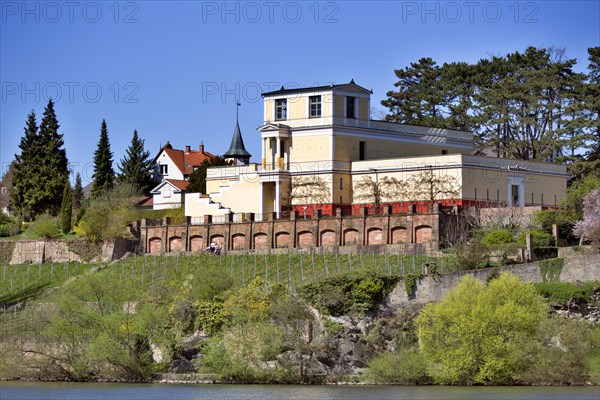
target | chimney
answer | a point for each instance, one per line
(202, 148)
(187, 149)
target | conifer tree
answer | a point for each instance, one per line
(53, 164)
(26, 171)
(66, 209)
(104, 173)
(78, 193)
(136, 167)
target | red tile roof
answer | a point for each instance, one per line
(143, 201)
(179, 184)
(186, 162)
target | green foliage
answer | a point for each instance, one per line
(550, 269)
(107, 214)
(197, 180)
(538, 239)
(479, 334)
(348, 293)
(104, 174)
(46, 227)
(560, 358)
(470, 255)
(84, 248)
(410, 284)
(78, 194)
(498, 237)
(66, 209)
(405, 367)
(40, 171)
(8, 226)
(565, 292)
(332, 327)
(211, 316)
(136, 167)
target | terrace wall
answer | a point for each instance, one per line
(245, 232)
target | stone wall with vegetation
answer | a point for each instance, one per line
(429, 288)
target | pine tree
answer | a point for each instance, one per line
(26, 171)
(54, 168)
(136, 167)
(66, 209)
(104, 173)
(77, 193)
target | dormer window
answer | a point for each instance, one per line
(350, 107)
(314, 103)
(164, 169)
(280, 109)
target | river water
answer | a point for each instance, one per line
(96, 391)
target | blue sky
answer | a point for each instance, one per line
(172, 70)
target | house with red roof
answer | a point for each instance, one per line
(172, 168)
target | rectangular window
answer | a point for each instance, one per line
(498, 195)
(487, 194)
(3, 190)
(167, 191)
(314, 106)
(532, 198)
(341, 183)
(475, 193)
(350, 107)
(281, 109)
(164, 169)
(361, 150)
(542, 198)
(341, 200)
(554, 199)
(515, 195)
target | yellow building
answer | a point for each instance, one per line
(321, 150)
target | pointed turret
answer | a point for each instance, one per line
(237, 151)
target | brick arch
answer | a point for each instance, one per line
(399, 235)
(175, 243)
(155, 245)
(282, 239)
(196, 243)
(219, 240)
(238, 241)
(351, 237)
(423, 234)
(305, 239)
(327, 238)
(375, 236)
(260, 241)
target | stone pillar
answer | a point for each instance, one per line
(315, 227)
(528, 247)
(555, 233)
(185, 234)
(338, 227)
(143, 236)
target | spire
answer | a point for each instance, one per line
(237, 150)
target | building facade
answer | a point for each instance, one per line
(321, 151)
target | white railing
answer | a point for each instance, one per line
(197, 220)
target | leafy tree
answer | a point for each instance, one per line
(480, 334)
(375, 191)
(108, 214)
(589, 227)
(136, 167)
(197, 180)
(104, 175)
(66, 209)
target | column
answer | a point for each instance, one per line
(264, 153)
(278, 153)
(277, 200)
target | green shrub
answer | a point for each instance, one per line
(470, 256)
(7, 230)
(210, 317)
(550, 269)
(498, 237)
(46, 227)
(406, 367)
(564, 292)
(538, 239)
